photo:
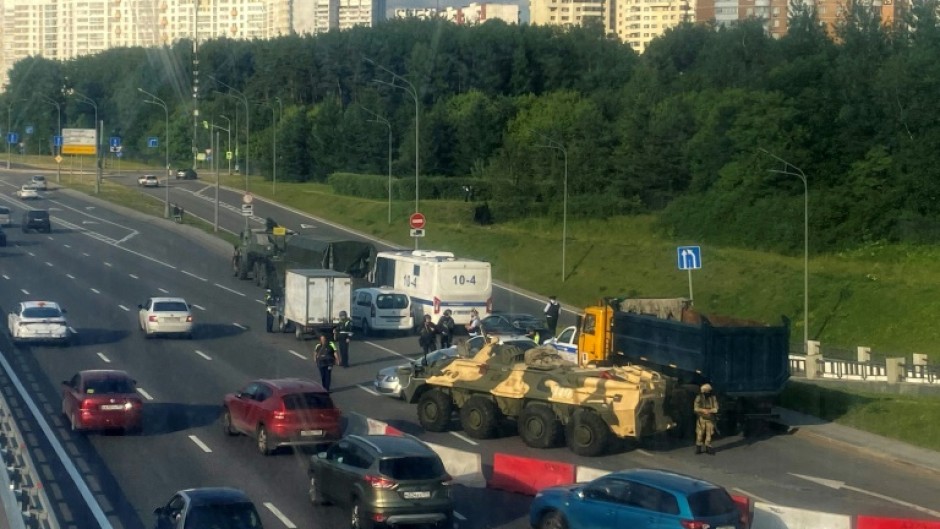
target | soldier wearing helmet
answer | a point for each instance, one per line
(706, 412)
(342, 334)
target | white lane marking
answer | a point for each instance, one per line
(6, 277)
(368, 390)
(49, 264)
(105, 358)
(125, 309)
(111, 242)
(200, 444)
(643, 452)
(107, 264)
(67, 245)
(835, 484)
(223, 287)
(49, 237)
(463, 438)
(57, 447)
(460, 517)
(200, 307)
(95, 290)
(85, 254)
(387, 350)
(261, 301)
(144, 394)
(31, 254)
(295, 353)
(163, 290)
(133, 276)
(70, 276)
(280, 516)
(204, 355)
(752, 495)
(190, 274)
(24, 291)
(240, 326)
(72, 330)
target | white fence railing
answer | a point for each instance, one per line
(919, 373)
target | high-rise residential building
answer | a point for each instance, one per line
(474, 13)
(637, 22)
(65, 29)
(572, 13)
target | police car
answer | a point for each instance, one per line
(38, 321)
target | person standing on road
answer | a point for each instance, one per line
(474, 327)
(342, 334)
(706, 411)
(428, 335)
(324, 354)
(445, 326)
(552, 310)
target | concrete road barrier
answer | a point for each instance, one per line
(465, 467)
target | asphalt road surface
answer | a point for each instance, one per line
(100, 262)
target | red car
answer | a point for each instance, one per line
(102, 399)
(282, 412)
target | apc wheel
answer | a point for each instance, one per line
(227, 423)
(538, 426)
(552, 520)
(479, 417)
(434, 410)
(588, 435)
(261, 441)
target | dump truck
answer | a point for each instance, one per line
(745, 361)
(311, 302)
(265, 254)
(552, 400)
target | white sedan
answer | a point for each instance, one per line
(148, 180)
(27, 192)
(165, 315)
(41, 321)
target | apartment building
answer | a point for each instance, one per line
(474, 13)
(64, 29)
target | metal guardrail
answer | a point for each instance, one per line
(22, 496)
(854, 370)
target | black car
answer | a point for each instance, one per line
(36, 219)
(208, 507)
(186, 174)
(515, 323)
(383, 481)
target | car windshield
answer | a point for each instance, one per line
(229, 516)
(170, 306)
(440, 354)
(4, 211)
(108, 386)
(712, 502)
(498, 325)
(391, 301)
(39, 179)
(41, 312)
(411, 467)
(307, 401)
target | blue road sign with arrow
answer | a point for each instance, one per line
(152, 142)
(689, 257)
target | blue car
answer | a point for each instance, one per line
(638, 499)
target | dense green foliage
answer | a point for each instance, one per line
(696, 128)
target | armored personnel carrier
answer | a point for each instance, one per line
(551, 399)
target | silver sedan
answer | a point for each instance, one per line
(391, 380)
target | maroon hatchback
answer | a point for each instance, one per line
(282, 412)
(102, 399)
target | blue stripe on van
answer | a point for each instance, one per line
(422, 301)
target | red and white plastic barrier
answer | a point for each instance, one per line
(874, 522)
(465, 467)
(528, 476)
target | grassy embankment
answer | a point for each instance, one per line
(882, 296)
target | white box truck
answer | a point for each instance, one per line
(312, 301)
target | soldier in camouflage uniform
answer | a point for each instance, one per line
(706, 411)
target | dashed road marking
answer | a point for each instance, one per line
(204, 355)
(464, 438)
(85, 254)
(240, 326)
(107, 264)
(24, 291)
(163, 290)
(261, 301)
(72, 330)
(387, 350)
(67, 245)
(144, 394)
(280, 516)
(96, 291)
(49, 237)
(6, 277)
(104, 358)
(133, 276)
(200, 307)
(49, 264)
(190, 274)
(125, 309)
(295, 353)
(31, 254)
(223, 287)
(460, 517)
(200, 444)
(70, 276)
(368, 390)
(643, 452)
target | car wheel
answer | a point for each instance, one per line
(227, 427)
(480, 417)
(299, 332)
(587, 435)
(553, 520)
(538, 426)
(434, 410)
(357, 518)
(316, 497)
(261, 440)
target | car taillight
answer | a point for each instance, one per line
(88, 404)
(437, 305)
(189, 319)
(489, 305)
(447, 480)
(692, 524)
(378, 482)
(152, 317)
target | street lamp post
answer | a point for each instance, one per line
(802, 176)
(166, 114)
(413, 92)
(276, 122)
(216, 129)
(228, 143)
(552, 144)
(247, 126)
(87, 100)
(383, 120)
(58, 164)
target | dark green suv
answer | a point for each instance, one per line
(383, 481)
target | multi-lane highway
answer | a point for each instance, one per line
(100, 262)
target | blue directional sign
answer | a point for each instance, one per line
(689, 257)
(13, 138)
(57, 141)
(153, 142)
(29, 129)
(115, 141)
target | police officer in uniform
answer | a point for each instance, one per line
(552, 311)
(342, 334)
(706, 412)
(324, 354)
(445, 326)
